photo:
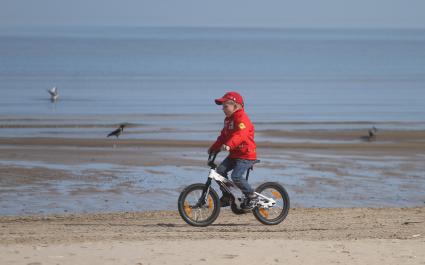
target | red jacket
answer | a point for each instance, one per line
(238, 134)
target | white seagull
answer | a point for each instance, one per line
(54, 94)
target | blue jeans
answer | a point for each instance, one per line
(239, 167)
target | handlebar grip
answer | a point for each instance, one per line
(211, 161)
(214, 155)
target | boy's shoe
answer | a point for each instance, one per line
(250, 201)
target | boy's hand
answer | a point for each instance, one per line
(225, 148)
(210, 151)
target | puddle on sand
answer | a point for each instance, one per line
(313, 181)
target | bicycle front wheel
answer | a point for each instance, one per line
(277, 213)
(195, 211)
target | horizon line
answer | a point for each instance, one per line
(207, 27)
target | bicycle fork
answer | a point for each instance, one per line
(203, 199)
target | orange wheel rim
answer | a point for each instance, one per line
(187, 208)
(210, 202)
(276, 194)
(264, 212)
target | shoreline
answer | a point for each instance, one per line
(395, 141)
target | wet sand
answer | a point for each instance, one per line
(166, 152)
(307, 236)
(74, 175)
(396, 141)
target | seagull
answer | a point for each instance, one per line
(372, 133)
(54, 94)
(118, 131)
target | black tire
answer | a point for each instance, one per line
(280, 210)
(190, 212)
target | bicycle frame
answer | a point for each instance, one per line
(225, 184)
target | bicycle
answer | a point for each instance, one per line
(199, 204)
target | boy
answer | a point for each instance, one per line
(237, 137)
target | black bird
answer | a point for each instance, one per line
(118, 131)
(372, 133)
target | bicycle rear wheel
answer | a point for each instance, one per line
(276, 214)
(196, 212)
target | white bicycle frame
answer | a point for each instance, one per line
(263, 202)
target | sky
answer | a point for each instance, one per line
(215, 13)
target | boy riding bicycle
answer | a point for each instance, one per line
(237, 137)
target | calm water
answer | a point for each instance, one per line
(284, 75)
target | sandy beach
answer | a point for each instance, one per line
(59, 196)
(307, 236)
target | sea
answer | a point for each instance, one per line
(168, 78)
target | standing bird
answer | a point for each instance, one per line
(54, 94)
(372, 133)
(118, 131)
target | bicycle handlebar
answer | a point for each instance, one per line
(211, 161)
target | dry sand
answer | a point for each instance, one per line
(307, 236)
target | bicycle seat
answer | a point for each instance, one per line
(255, 162)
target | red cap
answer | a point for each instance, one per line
(235, 96)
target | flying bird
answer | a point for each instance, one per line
(54, 94)
(117, 132)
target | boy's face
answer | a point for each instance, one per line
(229, 107)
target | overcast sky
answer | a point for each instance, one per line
(216, 13)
